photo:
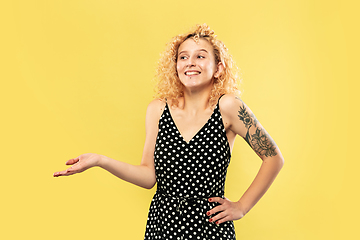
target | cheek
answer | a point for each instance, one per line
(210, 67)
(178, 67)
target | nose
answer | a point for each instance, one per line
(190, 62)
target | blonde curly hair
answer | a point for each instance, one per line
(168, 85)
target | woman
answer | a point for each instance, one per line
(190, 132)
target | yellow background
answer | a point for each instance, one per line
(76, 77)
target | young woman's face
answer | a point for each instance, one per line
(196, 65)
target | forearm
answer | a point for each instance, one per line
(140, 175)
(268, 171)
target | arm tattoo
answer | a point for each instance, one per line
(261, 142)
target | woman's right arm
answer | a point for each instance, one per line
(142, 175)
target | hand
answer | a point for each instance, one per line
(80, 164)
(227, 210)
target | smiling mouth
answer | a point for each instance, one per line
(192, 73)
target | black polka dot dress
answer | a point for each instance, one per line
(187, 174)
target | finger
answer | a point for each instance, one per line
(225, 219)
(217, 217)
(72, 161)
(61, 173)
(216, 209)
(74, 169)
(70, 171)
(217, 199)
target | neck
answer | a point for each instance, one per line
(194, 100)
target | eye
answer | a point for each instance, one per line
(182, 57)
(200, 56)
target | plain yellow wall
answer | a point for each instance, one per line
(76, 77)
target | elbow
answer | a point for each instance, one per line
(148, 178)
(281, 162)
(149, 184)
(277, 162)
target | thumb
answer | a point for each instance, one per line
(72, 161)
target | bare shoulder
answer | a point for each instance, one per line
(228, 103)
(231, 107)
(157, 105)
(155, 109)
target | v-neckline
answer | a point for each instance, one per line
(196, 133)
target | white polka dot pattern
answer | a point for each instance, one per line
(187, 174)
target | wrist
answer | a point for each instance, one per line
(242, 206)
(101, 161)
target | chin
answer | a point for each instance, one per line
(191, 84)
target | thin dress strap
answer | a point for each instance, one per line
(219, 98)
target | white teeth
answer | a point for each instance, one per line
(192, 73)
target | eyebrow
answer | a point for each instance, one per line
(201, 50)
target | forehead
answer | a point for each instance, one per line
(191, 45)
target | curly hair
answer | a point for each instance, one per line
(168, 85)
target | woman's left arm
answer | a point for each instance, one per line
(244, 123)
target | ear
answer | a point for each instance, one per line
(219, 69)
